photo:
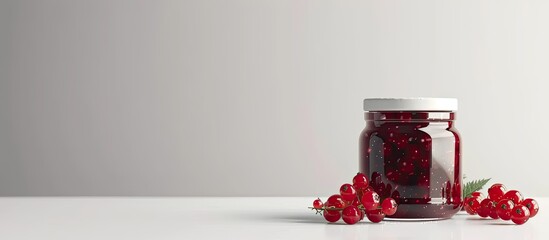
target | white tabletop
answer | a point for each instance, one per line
(228, 218)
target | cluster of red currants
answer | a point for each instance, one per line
(354, 201)
(507, 205)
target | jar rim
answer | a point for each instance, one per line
(410, 104)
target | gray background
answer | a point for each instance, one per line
(256, 97)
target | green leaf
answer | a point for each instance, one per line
(474, 186)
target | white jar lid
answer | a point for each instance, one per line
(410, 104)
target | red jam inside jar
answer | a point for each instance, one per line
(410, 149)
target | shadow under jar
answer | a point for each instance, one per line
(410, 149)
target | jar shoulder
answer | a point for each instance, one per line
(424, 130)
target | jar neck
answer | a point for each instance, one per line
(409, 116)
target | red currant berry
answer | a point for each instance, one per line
(532, 205)
(335, 201)
(351, 214)
(331, 215)
(317, 203)
(369, 188)
(370, 200)
(360, 181)
(520, 214)
(389, 206)
(485, 207)
(503, 209)
(375, 216)
(467, 208)
(496, 192)
(477, 194)
(361, 215)
(356, 202)
(395, 195)
(493, 213)
(472, 205)
(348, 192)
(513, 195)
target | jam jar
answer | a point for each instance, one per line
(411, 151)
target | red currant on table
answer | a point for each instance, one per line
(503, 209)
(360, 181)
(477, 194)
(351, 214)
(317, 203)
(335, 201)
(356, 202)
(369, 188)
(493, 211)
(486, 207)
(513, 195)
(331, 215)
(532, 205)
(520, 214)
(361, 215)
(348, 192)
(370, 200)
(375, 216)
(496, 192)
(389, 206)
(472, 205)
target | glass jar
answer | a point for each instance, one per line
(410, 149)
